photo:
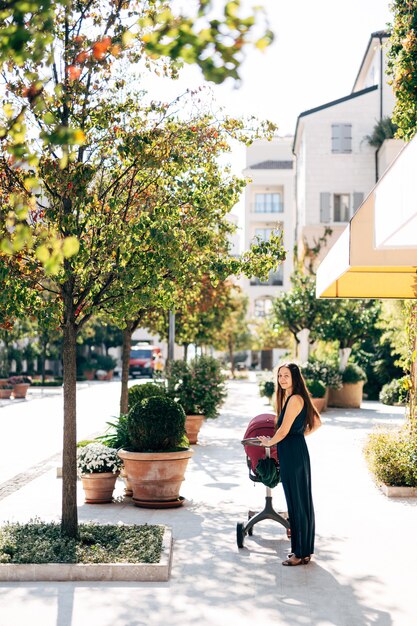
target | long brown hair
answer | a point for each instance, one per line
(299, 388)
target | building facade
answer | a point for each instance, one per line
(269, 205)
(336, 166)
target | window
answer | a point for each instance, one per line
(268, 203)
(341, 138)
(262, 307)
(274, 279)
(263, 233)
(339, 207)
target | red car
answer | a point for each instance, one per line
(142, 359)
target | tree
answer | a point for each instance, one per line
(143, 197)
(95, 33)
(349, 322)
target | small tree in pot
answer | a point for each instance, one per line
(158, 453)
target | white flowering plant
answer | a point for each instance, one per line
(95, 457)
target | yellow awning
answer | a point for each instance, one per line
(356, 268)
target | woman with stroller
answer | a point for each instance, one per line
(297, 418)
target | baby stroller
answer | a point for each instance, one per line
(263, 424)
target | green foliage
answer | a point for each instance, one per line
(392, 457)
(325, 372)
(105, 362)
(117, 434)
(199, 386)
(266, 388)
(137, 393)
(156, 424)
(41, 542)
(402, 67)
(316, 388)
(353, 373)
(395, 392)
(383, 129)
(348, 321)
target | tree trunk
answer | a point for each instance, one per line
(127, 340)
(185, 346)
(232, 357)
(43, 358)
(344, 354)
(69, 523)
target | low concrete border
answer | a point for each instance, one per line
(142, 572)
(399, 492)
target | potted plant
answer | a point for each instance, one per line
(266, 388)
(88, 369)
(5, 390)
(317, 391)
(199, 386)
(158, 453)
(20, 384)
(136, 393)
(98, 467)
(350, 395)
(106, 364)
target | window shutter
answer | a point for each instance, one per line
(336, 138)
(346, 137)
(357, 200)
(324, 207)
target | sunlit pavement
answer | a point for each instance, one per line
(363, 572)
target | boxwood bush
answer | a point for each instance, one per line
(392, 457)
(136, 393)
(266, 388)
(156, 424)
(394, 392)
(316, 388)
(353, 373)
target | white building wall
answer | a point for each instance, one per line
(278, 180)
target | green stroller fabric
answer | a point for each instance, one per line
(268, 472)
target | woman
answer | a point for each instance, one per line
(297, 417)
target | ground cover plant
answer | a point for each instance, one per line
(40, 542)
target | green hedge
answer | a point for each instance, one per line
(392, 457)
(394, 392)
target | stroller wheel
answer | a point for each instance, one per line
(240, 534)
(250, 531)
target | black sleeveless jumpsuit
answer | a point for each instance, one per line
(296, 480)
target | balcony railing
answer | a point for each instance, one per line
(266, 208)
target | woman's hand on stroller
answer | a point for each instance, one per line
(264, 441)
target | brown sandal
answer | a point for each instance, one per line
(291, 562)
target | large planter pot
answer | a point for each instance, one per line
(319, 404)
(128, 486)
(5, 394)
(20, 390)
(99, 487)
(156, 477)
(89, 374)
(349, 396)
(193, 424)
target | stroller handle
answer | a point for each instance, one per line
(251, 441)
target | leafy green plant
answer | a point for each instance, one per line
(137, 393)
(156, 424)
(383, 129)
(266, 388)
(117, 434)
(316, 388)
(325, 372)
(392, 457)
(41, 542)
(20, 380)
(353, 373)
(199, 386)
(394, 392)
(105, 362)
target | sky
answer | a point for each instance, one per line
(315, 57)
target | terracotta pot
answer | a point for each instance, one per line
(156, 477)
(89, 374)
(349, 396)
(319, 403)
(20, 390)
(128, 486)
(193, 424)
(99, 487)
(5, 394)
(109, 375)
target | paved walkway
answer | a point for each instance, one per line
(363, 573)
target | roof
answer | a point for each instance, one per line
(379, 34)
(272, 165)
(355, 94)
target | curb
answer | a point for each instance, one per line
(139, 572)
(399, 492)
